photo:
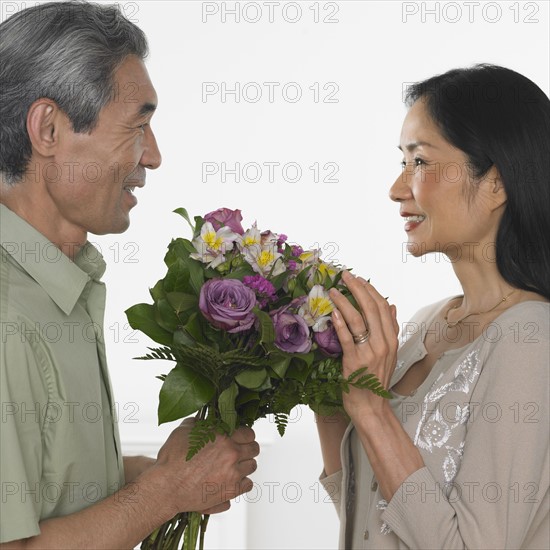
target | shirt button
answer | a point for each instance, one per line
(366, 535)
(373, 486)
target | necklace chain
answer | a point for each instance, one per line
(454, 323)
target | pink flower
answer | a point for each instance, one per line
(226, 217)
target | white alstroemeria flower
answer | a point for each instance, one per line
(263, 259)
(318, 273)
(268, 237)
(211, 245)
(317, 308)
(309, 257)
(249, 238)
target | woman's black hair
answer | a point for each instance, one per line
(499, 117)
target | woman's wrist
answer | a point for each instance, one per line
(370, 408)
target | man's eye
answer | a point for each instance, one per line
(142, 126)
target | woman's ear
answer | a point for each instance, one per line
(495, 187)
(43, 119)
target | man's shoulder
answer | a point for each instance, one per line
(20, 294)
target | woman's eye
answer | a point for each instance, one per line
(416, 162)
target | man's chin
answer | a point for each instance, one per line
(115, 228)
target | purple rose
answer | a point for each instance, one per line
(291, 332)
(328, 342)
(227, 304)
(227, 217)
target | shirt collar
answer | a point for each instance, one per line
(62, 279)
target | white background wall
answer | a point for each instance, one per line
(369, 53)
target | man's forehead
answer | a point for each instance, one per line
(134, 87)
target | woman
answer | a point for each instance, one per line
(459, 457)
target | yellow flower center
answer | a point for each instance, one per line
(320, 306)
(265, 258)
(212, 240)
(325, 269)
(249, 241)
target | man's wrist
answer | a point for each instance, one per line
(155, 486)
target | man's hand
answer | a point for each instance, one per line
(216, 474)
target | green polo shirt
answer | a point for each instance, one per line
(59, 442)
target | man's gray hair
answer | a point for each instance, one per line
(65, 51)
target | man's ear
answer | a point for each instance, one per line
(43, 125)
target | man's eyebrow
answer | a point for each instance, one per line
(145, 109)
(415, 144)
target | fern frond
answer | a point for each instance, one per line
(370, 382)
(163, 352)
(203, 432)
(281, 420)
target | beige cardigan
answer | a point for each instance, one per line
(481, 423)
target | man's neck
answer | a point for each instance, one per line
(38, 210)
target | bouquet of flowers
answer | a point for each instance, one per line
(245, 316)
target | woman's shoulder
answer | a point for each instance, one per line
(517, 350)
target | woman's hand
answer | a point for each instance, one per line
(368, 338)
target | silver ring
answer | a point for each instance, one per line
(361, 338)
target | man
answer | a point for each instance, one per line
(75, 142)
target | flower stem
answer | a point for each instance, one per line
(192, 532)
(204, 523)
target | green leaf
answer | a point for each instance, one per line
(157, 292)
(177, 249)
(307, 358)
(245, 396)
(142, 317)
(193, 327)
(226, 404)
(165, 316)
(182, 338)
(183, 213)
(298, 291)
(251, 378)
(240, 273)
(184, 392)
(196, 275)
(267, 330)
(199, 222)
(280, 366)
(249, 413)
(279, 280)
(298, 370)
(177, 278)
(181, 301)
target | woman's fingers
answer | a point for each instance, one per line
(342, 331)
(395, 323)
(385, 313)
(369, 307)
(350, 315)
